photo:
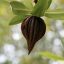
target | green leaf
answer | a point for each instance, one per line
(41, 7)
(21, 12)
(19, 8)
(17, 19)
(28, 4)
(17, 5)
(50, 55)
(48, 5)
(55, 14)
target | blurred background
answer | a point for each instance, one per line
(13, 46)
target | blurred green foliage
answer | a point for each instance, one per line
(6, 15)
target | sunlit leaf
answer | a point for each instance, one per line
(50, 55)
(28, 4)
(16, 20)
(55, 14)
(21, 12)
(19, 8)
(17, 5)
(41, 7)
(49, 2)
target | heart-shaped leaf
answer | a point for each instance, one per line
(55, 14)
(16, 20)
(19, 8)
(41, 7)
(31, 28)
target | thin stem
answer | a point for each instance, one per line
(35, 1)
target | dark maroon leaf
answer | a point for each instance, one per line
(33, 29)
